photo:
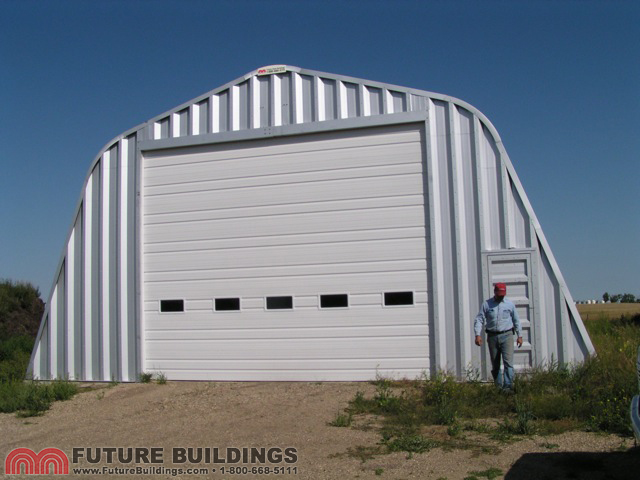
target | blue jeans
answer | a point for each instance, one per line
(501, 346)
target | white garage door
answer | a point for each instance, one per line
(298, 258)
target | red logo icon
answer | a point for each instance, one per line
(36, 464)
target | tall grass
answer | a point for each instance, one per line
(594, 395)
(17, 395)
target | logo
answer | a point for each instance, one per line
(271, 69)
(36, 464)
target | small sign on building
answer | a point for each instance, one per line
(271, 69)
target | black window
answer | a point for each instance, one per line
(227, 304)
(334, 301)
(398, 298)
(279, 303)
(172, 306)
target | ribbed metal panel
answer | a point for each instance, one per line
(475, 206)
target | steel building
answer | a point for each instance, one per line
(299, 225)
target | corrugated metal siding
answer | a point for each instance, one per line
(91, 329)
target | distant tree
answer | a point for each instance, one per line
(628, 298)
(605, 297)
(615, 298)
(20, 309)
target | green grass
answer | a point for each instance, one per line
(30, 399)
(26, 398)
(594, 395)
(490, 474)
(342, 420)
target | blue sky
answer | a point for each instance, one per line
(560, 80)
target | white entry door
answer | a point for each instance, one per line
(514, 269)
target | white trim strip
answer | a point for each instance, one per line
(70, 304)
(37, 371)
(195, 119)
(124, 260)
(277, 100)
(235, 105)
(255, 100)
(175, 125)
(436, 254)
(366, 101)
(460, 226)
(299, 98)
(215, 114)
(322, 107)
(389, 98)
(88, 242)
(106, 292)
(53, 334)
(344, 107)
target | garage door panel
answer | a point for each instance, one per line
(295, 224)
(303, 280)
(316, 254)
(407, 184)
(220, 365)
(291, 239)
(272, 149)
(288, 333)
(287, 209)
(320, 374)
(185, 187)
(292, 168)
(277, 321)
(372, 348)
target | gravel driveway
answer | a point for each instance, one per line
(278, 415)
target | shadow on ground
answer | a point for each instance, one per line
(577, 465)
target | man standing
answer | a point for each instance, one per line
(500, 318)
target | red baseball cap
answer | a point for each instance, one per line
(501, 288)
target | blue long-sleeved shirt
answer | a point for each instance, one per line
(497, 317)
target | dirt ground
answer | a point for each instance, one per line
(274, 414)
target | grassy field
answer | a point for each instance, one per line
(608, 311)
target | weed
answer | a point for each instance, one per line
(490, 473)
(502, 434)
(454, 429)
(360, 404)
(521, 425)
(409, 444)
(100, 395)
(524, 417)
(37, 399)
(364, 453)
(379, 471)
(63, 389)
(145, 377)
(342, 420)
(161, 378)
(32, 398)
(549, 446)
(384, 397)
